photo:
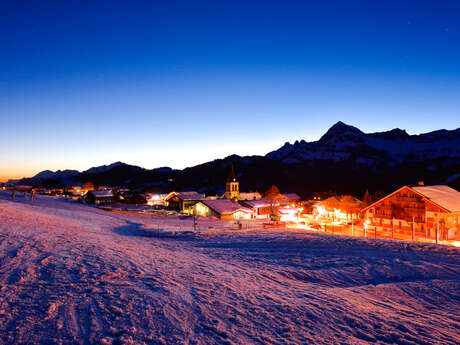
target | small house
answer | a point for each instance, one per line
(262, 209)
(183, 201)
(99, 197)
(222, 208)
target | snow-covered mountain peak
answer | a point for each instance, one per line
(393, 134)
(343, 141)
(341, 131)
(48, 174)
(103, 168)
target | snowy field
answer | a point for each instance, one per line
(72, 274)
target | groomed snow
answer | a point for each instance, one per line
(72, 274)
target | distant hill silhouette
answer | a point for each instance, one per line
(344, 160)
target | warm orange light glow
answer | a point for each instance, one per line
(339, 214)
(321, 210)
(290, 214)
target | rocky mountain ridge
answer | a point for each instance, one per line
(343, 160)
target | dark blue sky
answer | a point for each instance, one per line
(154, 83)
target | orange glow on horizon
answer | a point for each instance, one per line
(6, 178)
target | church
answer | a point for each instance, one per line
(228, 206)
(232, 189)
(232, 186)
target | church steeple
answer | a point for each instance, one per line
(232, 187)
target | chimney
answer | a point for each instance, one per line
(421, 183)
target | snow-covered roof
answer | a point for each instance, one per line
(444, 196)
(291, 196)
(102, 193)
(250, 195)
(23, 187)
(225, 206)
(153, 196)
(191, 196)
(186, 196)
(261, 203)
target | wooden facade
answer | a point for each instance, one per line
(410, 212)
(183, 201)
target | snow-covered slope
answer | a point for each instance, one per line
(342, 142)
(72, 274)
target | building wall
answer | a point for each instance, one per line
(200, 209)
(404, 205)
(175, 203)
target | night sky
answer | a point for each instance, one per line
(86, 83)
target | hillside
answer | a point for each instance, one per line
(72, 274)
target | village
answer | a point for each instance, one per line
(419, 213)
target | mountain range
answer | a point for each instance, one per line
(343, 160)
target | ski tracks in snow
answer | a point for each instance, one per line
(71, 274)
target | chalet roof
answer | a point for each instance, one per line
(444, 196)
(225, 206)
(102, 193)
(260, 203)
(186, 195)
(250, 196)
(291, 196)
(191, 196)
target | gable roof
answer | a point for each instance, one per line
(291, 196)
(186, 195)
(102, 193)
(225, 206)
(260, 203)
(250, 196)
(443, 196)
(191, 196)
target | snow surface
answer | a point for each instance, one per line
(73, 274)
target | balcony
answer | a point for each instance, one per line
(407, 199)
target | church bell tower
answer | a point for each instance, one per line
(232, 187)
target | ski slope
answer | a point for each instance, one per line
(72, 274)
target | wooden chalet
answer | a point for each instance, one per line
(263, 208)
(222, 208)
(183, 201)
(99, 197)
(428, 211)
